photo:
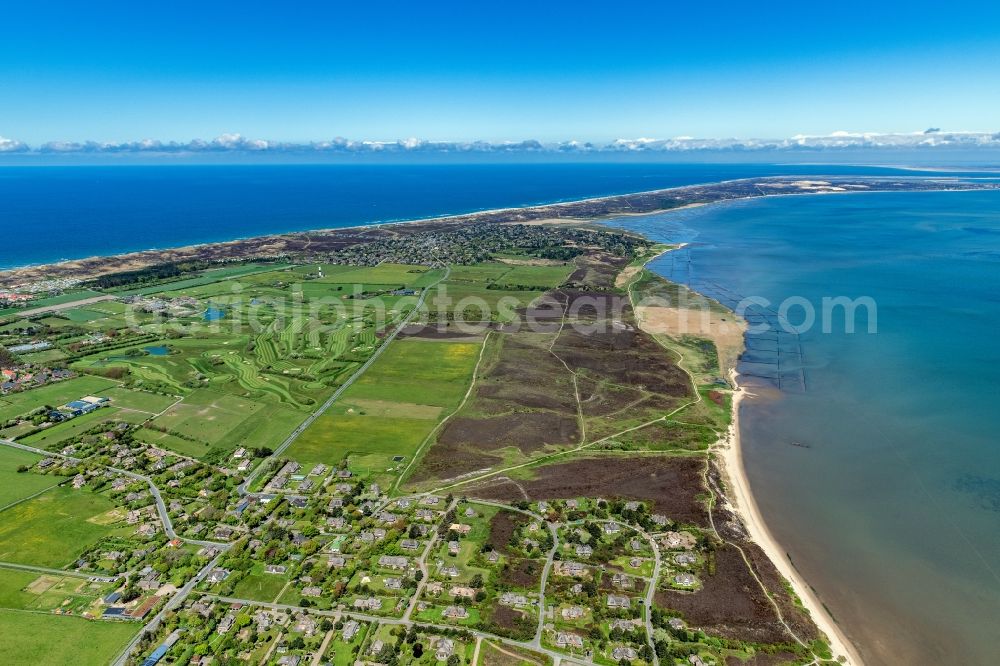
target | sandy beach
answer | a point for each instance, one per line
(743, 503)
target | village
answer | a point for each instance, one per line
(339, 572)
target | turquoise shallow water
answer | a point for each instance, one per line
(889, 502)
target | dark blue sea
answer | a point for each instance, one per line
(53, 213)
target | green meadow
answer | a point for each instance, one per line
(15, 486)
(52, 529)
(29, 639)
(391, 409)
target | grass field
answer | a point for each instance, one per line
(54, 395)
(391, 409)
(52, 529)
(142, 401)
(35, 638)
(385, 274)
(370, 442)
(25, 590)
(68, 297)
(419, 371)
(259, 585)
(220, 423)
(208, 277)
(537, 276)
(165, 440)
(14, 486)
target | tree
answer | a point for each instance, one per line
(454, 660)
(418, 650)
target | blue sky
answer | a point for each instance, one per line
(301, 71)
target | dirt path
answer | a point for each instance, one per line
(498, 648)
(318, 657)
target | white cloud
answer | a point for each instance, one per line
(11, 146)
(234, 142)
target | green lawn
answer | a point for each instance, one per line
(52, 529)
(15, 486)
(259, 585)
(37, 638)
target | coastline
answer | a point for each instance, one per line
(741, 500)
(576, 211)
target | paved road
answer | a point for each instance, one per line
(242, 489)
(422, 563)
(174, 602)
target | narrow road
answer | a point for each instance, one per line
(318, 657)
(46, 570)
(475, 654)
(65, 306)
(422, 563)
(242, 489)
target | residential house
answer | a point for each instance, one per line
(618, 601)
(566, 639)
(455, 612)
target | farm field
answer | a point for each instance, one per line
(369, 442)
(36, 638)
(15, 486)
(385, 274)
(52, 529)
(208, 277)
